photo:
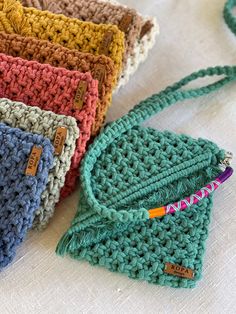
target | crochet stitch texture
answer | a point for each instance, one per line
(19, 194)
(139, 32)
(130, 169)
(71, 33)
(145, 42)
(30, 48)
(52, 89)
(35, 120)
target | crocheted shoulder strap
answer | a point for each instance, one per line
(230, 19)
(151, 105)
(172, 94)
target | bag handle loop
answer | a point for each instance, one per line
(172, 94)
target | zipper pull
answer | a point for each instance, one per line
(226, 162)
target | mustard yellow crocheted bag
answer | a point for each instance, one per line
(71, 33)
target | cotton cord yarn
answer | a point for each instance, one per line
(229, 17)
(19, 194)
(45, 52)
(46, 123)
(71, 33)
(52, 89)
(94, 11)
(139, 32)
(130, 169)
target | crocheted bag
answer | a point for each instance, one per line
(139, 32)
(53, 89)
(20, 194)
(129, 175)
(101, 67)
(86, 37)
(48, 124)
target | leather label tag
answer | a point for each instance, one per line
(99, 74)
(33, 161)
(80, 94)
(59, 140)
(125, 22)
(179, 271)
(145, 29)
(106, 42)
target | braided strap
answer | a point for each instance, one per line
(230, 19)
(173, 94)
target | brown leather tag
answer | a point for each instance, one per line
(80, 94)
(59, 140)
(106, 42)
(179, 271)
(125, 22)
(33, 161)
(99, 74)
(146, 28)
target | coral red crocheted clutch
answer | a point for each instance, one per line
(55, 89)
(101, 67)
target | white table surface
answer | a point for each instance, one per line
(193, 36)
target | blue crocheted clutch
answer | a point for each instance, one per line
(145, 200)
(19, 193)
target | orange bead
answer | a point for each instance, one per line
(157, 212)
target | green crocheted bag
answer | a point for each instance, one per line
(128, 177)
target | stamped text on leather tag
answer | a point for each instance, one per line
(80, 94)
(33, 161)
(99, 74)
(145, 29)
(59, 140)
(105, 44)
(125, 22)
(179, 271)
